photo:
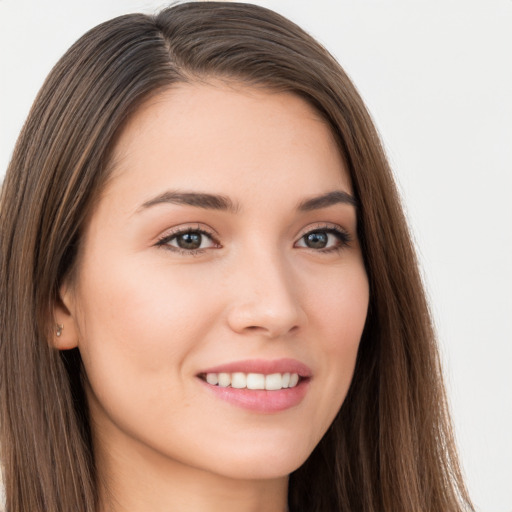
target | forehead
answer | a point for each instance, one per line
(218, 135)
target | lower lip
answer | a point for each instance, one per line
(261, 400)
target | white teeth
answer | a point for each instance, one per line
(224, 380)
(274, 381)
(212, 378)
(255, 381)
(240, 380)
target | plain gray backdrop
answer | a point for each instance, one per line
(437, 78)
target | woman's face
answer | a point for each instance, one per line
(221, 258)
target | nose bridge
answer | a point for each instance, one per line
(265, 297)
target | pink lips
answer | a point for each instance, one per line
(262, 401)
(262, 366)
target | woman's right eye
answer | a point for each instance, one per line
(189, 241)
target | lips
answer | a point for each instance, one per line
(264, 386)
(263, 366)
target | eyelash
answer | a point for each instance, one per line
(164, 241)
(344, 239)
(343, 236)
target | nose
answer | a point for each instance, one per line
(265, 298)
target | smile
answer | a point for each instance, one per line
(240, 380)
(261, 386)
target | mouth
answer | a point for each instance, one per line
(254, 381)
(259, 385)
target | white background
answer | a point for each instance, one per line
(437, 77)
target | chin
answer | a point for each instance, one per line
(259, 463)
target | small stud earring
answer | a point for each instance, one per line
(60, 327)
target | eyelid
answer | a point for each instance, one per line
(343, 234)
(323, 226)
(164, 239)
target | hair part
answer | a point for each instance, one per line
(391, 445)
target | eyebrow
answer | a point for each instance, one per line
(197, 199)
(224, 203)
(326, 200)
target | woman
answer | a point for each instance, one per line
(211, 299)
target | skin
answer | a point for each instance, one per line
(147, 318)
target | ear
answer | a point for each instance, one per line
(65, 331)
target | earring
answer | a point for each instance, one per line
(60, 327)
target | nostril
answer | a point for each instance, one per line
(262, 317)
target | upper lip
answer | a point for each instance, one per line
(264, 366)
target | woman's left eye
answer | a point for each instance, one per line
(324, 239)
(188, 241)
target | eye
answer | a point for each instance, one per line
(188, 241)
(325, 239)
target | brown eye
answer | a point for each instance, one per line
(189, 240)
(316, 239)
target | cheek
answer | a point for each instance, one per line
(138, 325)
(138, 328)
(141, 306)
(340, 315)
(341, 310)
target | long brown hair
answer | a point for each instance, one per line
(391, 447)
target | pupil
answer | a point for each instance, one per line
(316, 240)
(189, 241)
